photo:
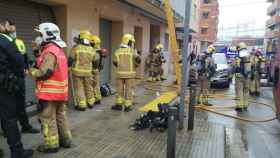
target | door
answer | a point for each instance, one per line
(106, 38)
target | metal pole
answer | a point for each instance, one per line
(184, 70)
(171, 137)
(191, 106)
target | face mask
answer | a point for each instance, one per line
(38, 41)
(13, 35)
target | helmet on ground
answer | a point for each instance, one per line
(127, 38)
(159, 47)
(50, 33)
(241, 46)
(95, 40)
(211, 49)
(85, 34)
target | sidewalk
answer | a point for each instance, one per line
(103, 133)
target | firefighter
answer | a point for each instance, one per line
(11, 85)
(161, 60)
(51, 74)
(258, 67)
(125, 58)
(83, 57)
(205, 70)
(97, 67)
(242, 70)
(154, 63)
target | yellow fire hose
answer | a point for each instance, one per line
(213, 109)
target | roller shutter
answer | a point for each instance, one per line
(26, 15)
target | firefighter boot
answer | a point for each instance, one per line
(65, 143)
(45, 149)
(1, 153)
(21, 153)
(119, 103)
(238, 109)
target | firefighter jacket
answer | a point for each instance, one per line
(51, 74)
(83, 56)
(205, 66)
(126, 60)
(153, 61)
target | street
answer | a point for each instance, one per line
(103, 133)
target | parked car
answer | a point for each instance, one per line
(222, 77)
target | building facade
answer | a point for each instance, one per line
(208, 23)
(273, 26)
(109, 19)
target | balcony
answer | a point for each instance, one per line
(273, 21)
(272, 34)
(213, 4)
(273, 7)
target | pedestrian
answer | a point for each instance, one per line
(51, 75)
(125, 58)
(242, 71)
(205, 70)
(83, 57)
(11, 86)
(21, 108)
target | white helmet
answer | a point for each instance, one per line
(51, 33)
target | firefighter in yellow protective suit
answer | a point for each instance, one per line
(81, 59)
(242, 70)
(205, 70)
(162, 60)
(154, 63)
(258, 67)
(97, 67)
(125, 59)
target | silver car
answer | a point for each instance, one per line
(222, 77)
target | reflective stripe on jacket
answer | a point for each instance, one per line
(83, 58)
(55, 88)
(20, 46)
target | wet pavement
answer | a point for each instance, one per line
(103, 133)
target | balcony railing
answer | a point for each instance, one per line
(273, 7)
(272, 34)
(273, 21)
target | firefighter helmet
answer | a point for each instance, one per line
(50, 33)
(241, 46)
(95, 40)
(159, 47)
(128, 38)
(211, 49)
(85, 34)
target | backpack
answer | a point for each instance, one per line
(105, 90)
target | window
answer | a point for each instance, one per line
(204, 30)
(205, 15)
(206, 1)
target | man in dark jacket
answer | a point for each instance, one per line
(11, 84)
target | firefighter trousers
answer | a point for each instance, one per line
(242, 91)
(84, 91)
(203, 89)
(255, 84)
(125, 91)
(96, 85)
(54, 123)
